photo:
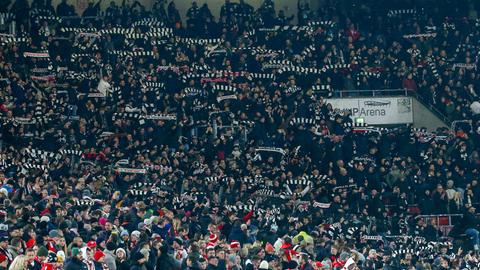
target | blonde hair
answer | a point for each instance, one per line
(18, 263)
(177, 223)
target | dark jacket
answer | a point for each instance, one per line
(470, 221)
(122, 265)
(74, 264)
(138, 267)
(166, 262)
(237, 234)
(35, 265)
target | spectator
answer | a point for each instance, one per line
(92, 9)
(110, 256)
(173, 14)
(213, 145)
(75, 262)
(409, 83)
(121, 260)
(470, 223)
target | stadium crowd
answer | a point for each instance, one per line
(133, 140)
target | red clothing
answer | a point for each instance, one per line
(52, 247)
(409, 84)
(3, 108)
(353, 33)
(48, 266)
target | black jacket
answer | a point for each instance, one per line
(166, 262)
(470, 221)
(74, 264)
(122, 265)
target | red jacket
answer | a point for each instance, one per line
(409, 84)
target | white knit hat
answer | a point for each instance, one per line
(263, 265)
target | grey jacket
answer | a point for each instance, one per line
(110, 260)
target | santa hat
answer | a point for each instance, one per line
(213, 238)
(91, 244)
(30, 243)
(98, 255)
(234, 244)
(210, 246)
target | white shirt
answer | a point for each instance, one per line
(103, 87)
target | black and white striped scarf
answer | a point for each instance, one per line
(302, 121)
(321, 23)
(151, 22)
(140, 117)
(400, 12)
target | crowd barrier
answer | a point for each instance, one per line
(444, 222)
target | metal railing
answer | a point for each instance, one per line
(370, 93)
(444, 222)
(458, 123)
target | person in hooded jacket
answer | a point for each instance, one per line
(165, 261)
(138, 261)
(191, 263)
(237, 233)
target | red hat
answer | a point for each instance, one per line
(234, 244)
(30, 243)
(98, 255)
(210, 245)
(269, 247)
(318, 264)
(91, 244)
(102, 221)
(213, 238)
(286, 245)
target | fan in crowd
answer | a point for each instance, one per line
(133, 140)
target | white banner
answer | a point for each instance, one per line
(377, 111)
(131, 170)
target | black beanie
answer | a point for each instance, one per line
(111, 246)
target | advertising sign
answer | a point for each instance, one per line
(377, 111)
